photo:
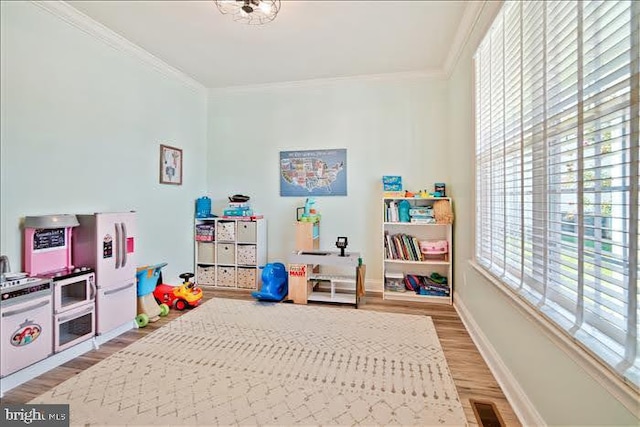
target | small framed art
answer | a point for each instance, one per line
(170, 165)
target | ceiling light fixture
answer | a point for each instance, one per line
(252, 12)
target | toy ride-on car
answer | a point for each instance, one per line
(179, 297)
(148, 310)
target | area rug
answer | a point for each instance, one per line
(231, 362)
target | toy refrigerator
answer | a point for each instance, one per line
(107, 243)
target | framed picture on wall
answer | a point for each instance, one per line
(170, 165)
(313, 173)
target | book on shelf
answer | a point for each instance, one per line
(387, 246)
(246, 205)
(396, 244)
(392, 212)
(416, 248)
(423, 221)
(243, 218)
(406, 241)
(393, 194)
(402, 247)
(421, 211)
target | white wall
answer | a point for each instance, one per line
(561, 392)
(81, 125)
(82, 122)
(392, 125)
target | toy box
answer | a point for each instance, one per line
(434, 247)
(392, 183)
(391, 179)
(204, 232)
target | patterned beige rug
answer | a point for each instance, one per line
(248, 363)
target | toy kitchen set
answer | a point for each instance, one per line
(57, 302)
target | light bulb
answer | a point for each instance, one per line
(265, 7)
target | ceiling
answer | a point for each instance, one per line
(307, 40)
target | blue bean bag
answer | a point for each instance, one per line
(274, 283)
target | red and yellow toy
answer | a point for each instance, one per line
(179, 297)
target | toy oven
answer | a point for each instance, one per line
(74, 326)
(73, 292)
(74, 310)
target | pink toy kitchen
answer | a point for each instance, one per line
(78, 284)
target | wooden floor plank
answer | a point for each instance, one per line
(471, 375)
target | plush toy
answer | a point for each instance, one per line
(442, 212)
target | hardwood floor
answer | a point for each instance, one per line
(471, 374)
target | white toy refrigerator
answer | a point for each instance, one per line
(107, 243)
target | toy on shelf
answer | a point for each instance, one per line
(240, 208)
(341, 244)
(440, 188)
(179, 297)
(443, 212)
(274, 283)
(308, 213)
(403, 211)
(203, 207)
(435, 248)
(148, 309)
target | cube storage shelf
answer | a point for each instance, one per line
(229, 252)
(400, 261)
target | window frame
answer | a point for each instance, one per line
(624, 390)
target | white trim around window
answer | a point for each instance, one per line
(557, 94)
(620, 389)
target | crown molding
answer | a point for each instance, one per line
(73, 16)
(467, 24)
(405, 75)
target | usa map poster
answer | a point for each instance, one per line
(313, 173)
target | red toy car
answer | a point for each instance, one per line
(179, 297)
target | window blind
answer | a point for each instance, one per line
(557, 88)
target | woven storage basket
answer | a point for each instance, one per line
(247, 278)
(226, 277)
(247, 254)
(206, 275)
(226, 231)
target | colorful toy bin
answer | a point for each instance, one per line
(148, 309)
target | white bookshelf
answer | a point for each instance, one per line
(395, 265)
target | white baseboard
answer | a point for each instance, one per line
(101, 339)
(30, 372)
(522, 406)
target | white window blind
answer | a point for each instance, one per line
(557, 129)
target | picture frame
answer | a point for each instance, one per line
(170, 165)
(313, 173)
